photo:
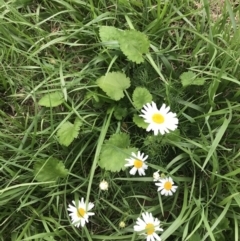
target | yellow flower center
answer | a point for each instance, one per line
(149, 229)
(80, 212)
(138, 163)
(168, 186)
(158, 118)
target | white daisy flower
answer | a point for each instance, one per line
(137, 161)
(161, 120)
(166, 186)
(148, 226)
(103, 185)
(79, 212)
(156, 176)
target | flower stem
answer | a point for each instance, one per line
(105, 126)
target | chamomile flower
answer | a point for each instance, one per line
(103, 185)
(148, 226)
(166, 186)
(156, 176)
(161, 120)
(79, 212)
(137, 161)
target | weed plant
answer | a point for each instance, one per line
(55, 47)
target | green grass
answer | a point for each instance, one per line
(48, 46)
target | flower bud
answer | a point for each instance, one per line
(156, 176)
(103, 185)
(122, 224)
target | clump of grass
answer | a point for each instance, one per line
(55, 46)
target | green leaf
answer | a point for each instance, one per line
(195, 237)
(190, 78)
(141, 96)
(119, 112)
(92, 95)
(223, 225)
(108, 33)
(115, 151)
(49, 170)
(113, 158)
(199, 81)
(68, 131)
(113, 84)
(52, 99)
(77, 124)
(173, 136)
(139, 121)
(134, 44)
(121, 140)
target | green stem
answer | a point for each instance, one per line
(129, 98)
(103, 133)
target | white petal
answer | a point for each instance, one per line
(82, 220)
(145, 166)
(91, 213)
(133, 171)
(141, 172)
(145, 158)
(156, 236)
(90, 206)
(138, 228)
(163, 192)
(149, 128)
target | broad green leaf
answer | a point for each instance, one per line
(49, 170)
(108, 33)
(112, 158)
(121, 140)
(113, 84)
(120, 112)
(195, 237)
(199, 81)
(139, 121)
(92, 95)
(222, 226)
(134, 44)
(141, 96)
(52, 99)
(115, 151)
(173, 136)
(77, 123)
(68, 131)
(190, 78)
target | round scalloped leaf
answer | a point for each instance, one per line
(68, 132)
(134, 44)
(120, 112)
(141, 96)
(108, 33)
(190, 78)
(139, 121)
(121, 140)
(113, 84)
(113, 158)
(52, 99)
(49, 170)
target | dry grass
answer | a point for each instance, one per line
(217, 7)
